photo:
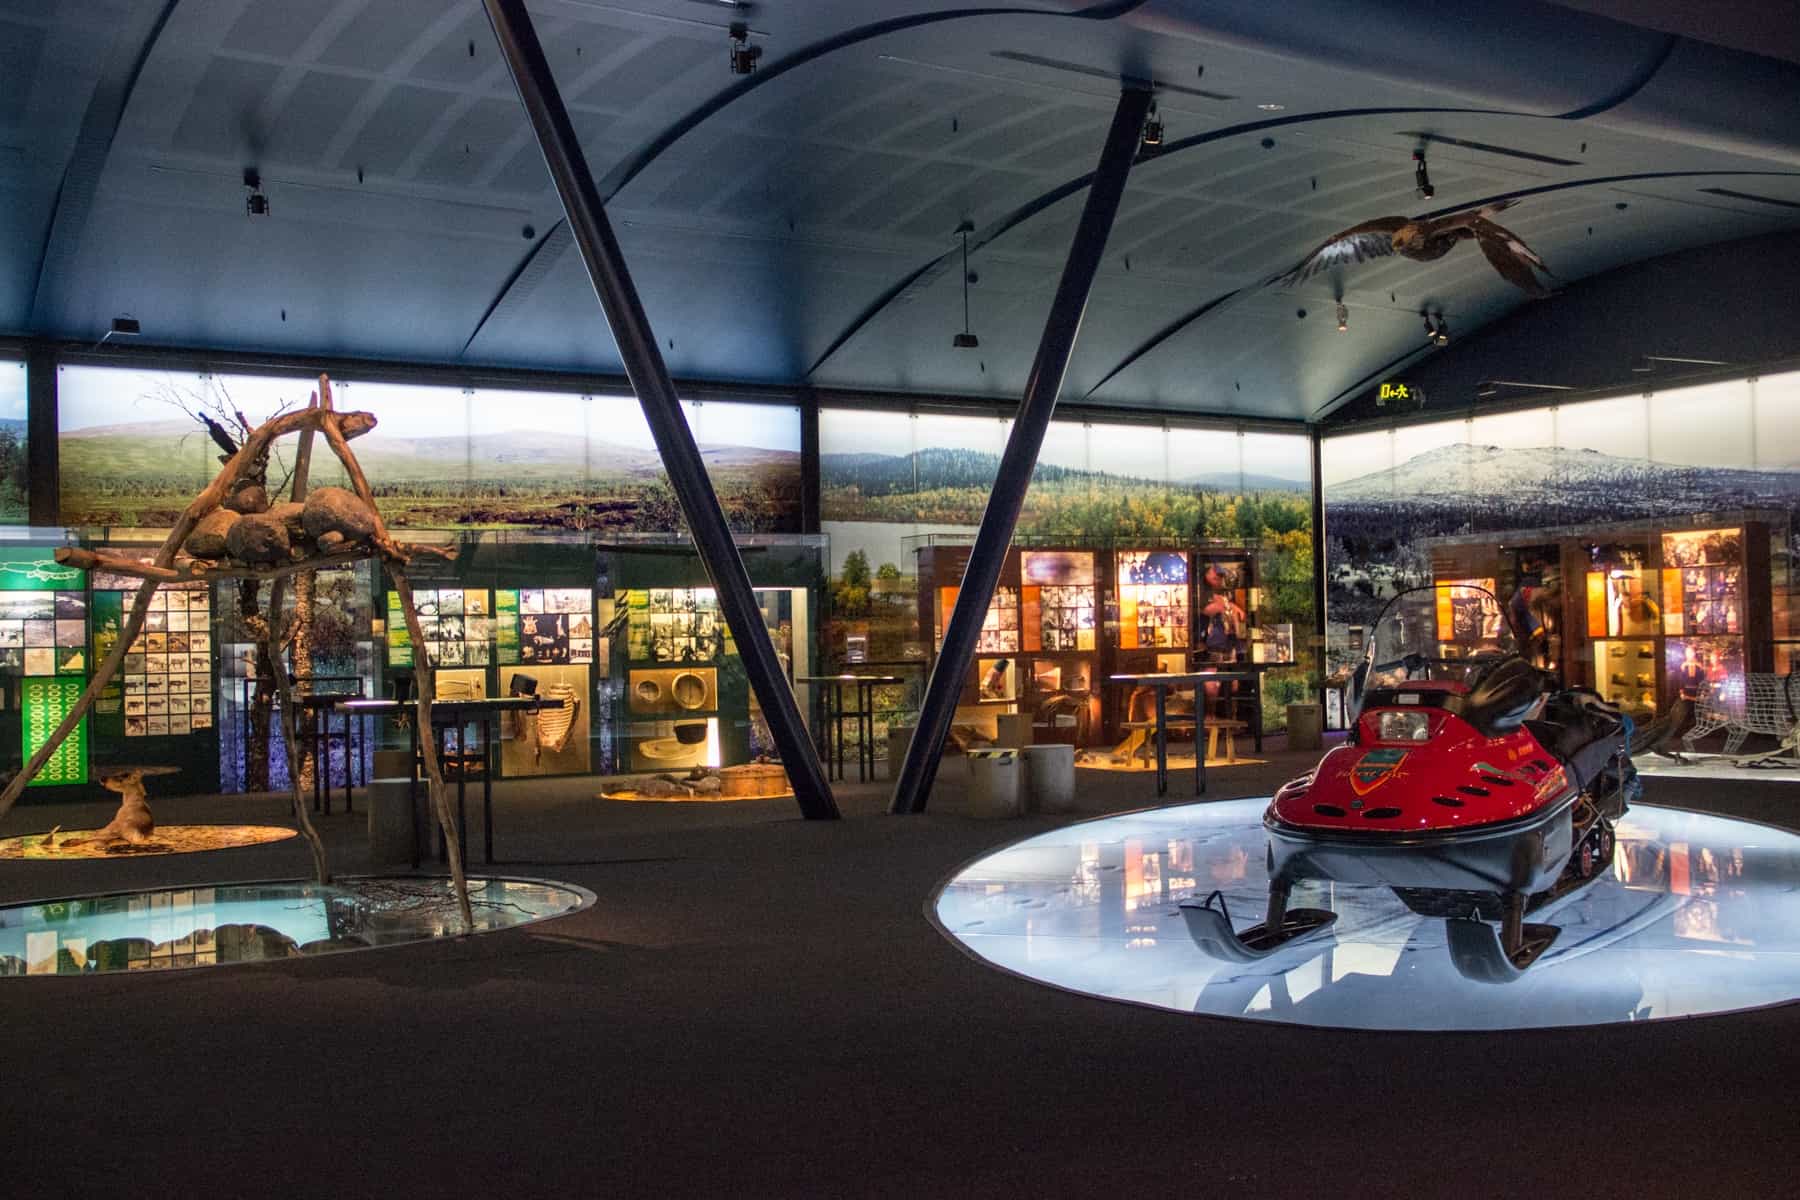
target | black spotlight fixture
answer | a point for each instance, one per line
(1437, 330)
(256, 204)
(1422, 177)
(1343, 316)
(1153, 128)
(743, 54)
(965, 340)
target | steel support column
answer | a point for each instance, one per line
(1321, 661)
(649, 377)
(913, 784)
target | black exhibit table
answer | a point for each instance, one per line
(458, 715)
(829, 693)
(318, 708)
(1161, 682)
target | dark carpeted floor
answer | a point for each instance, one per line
(757, 1005)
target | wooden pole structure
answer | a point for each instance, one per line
(209, 498)
(422, 672)
(284, 691)
(338, 429)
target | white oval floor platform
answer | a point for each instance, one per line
(1698, 914)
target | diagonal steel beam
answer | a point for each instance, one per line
(649, 377)
(913, 784)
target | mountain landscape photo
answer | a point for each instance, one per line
(1377, 524)
(145, 472)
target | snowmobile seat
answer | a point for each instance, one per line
(1501, 697)
(1583, 732)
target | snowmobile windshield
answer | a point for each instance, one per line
(1448, 631)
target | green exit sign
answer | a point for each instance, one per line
(1397, 393)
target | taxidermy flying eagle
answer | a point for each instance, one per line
(1427, 240)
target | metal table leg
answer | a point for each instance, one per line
(1162, 741)
(1200, 740)
(487, 784)
(412, 788)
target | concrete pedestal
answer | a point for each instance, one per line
(899, 738)
(994, 783)
(1305, 723)
(1050, 778)
(390, 822)
(1012, 731)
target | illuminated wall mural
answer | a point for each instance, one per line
(14, 503)
(134, 448)
(890, 480)
(1668, 456)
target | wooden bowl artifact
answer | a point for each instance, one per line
(689, 690)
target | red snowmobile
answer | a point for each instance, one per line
(1473, 784)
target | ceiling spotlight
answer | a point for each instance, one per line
(1271, 107)
(1422, 177)
(123, 326)
(1153, 128)
(965, 340)
(256, 204)
(1343, 316)
(743, 54)
(1437, 330)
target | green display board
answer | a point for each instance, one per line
(506, 626)
(46, 702)
(399, 637)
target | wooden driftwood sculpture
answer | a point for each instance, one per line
(232, 531)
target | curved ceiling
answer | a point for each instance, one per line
(798, 225)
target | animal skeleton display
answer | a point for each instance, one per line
(232, 531)
(1769, 704)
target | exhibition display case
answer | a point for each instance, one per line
(1657, 610)
(622, 628)
(1084, 614)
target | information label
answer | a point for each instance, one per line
(46, 702)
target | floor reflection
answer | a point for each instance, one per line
(206, 926)
(1698, 914)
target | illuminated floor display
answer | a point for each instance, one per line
(165, 839)
(1698, 914)
(226, 923)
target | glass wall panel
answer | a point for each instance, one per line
(1605, 497)
(136, 446)
(901, 490)
(14, 476)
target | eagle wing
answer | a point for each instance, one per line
(1359, 243)
(1508, 254)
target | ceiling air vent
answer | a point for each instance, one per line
(1057, 64)
(1487, 148)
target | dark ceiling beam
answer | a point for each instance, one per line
(132, 43)
(656, 394)
(525, 280)
(630, 167)
(930, 271)
(1219, 304)
(634, 164)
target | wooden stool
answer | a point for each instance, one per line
(1137, 740)
(1230, 728)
